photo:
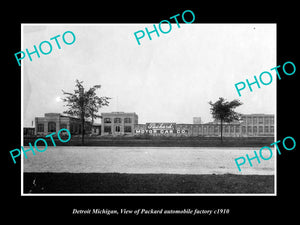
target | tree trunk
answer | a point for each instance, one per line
(92, 114)
(82, 114)
(82, 130)
(221, 130)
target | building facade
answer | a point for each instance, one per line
(126, 124)
(28, 131)
(53, 122)
(257, 124)
(118, 123)
(251, 125)
(96, 129)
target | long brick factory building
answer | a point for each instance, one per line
(126, 124)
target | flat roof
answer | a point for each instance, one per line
(118, 113)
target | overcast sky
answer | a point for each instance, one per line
(170, 78)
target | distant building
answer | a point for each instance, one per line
(121, 123)
(96, 129)
(28, 131)
(118, 123)
(257, 124)
(251, 125)
(197, 120)
(53, 122)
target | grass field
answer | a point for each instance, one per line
(161, 141)
(146, 183)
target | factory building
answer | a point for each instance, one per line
(120, 123)
(126, 124)
(53, 122)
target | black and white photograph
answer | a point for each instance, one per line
(141, 111)
(162, 117)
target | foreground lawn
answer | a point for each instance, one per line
(146, 183)
(160, 141)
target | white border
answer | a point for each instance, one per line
(22, 111)
(142, 194)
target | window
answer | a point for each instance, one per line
(118, 128)
(249, 129)
(107, 120)
(107, 129)
(260, 129)
(226, 129)
(231, 129)
(63, 125)
(272, 129)
(254, 120)
(200, 129)
(195, 130)
(255, 129)
(266, 120)
(40, 127)
(51, 127)
(237, 129)
(272, 120)
(127, 129)
(266, 129)
(216, 129)
(117, 120)
(249, 120)
(243, 119)
(127, 120)
(260, 120)
(243, 129)
(71, 128)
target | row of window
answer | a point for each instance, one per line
(117, 120)
(52, 127)
(128, 129)
(260, 120)
(260, 129)
(233, 129)
(108, 129)
(212, 129)
(250, 129)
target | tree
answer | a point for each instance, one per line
(223, 111)
(84, 105)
